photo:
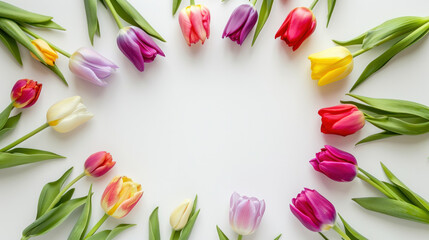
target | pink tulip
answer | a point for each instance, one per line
(194, 21)
(98, 164)
(245, 213)
(343, 119)
(25, 93)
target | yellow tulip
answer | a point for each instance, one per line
(180, 216)
(331, 65)
(48, 54)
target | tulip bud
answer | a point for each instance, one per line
(48, 54)
(120, 196)
(68, 114)
(313, 210)
(298, 26)
(343, 119)
(25, 93)
(331, 65)
(338, 165)
(245, 213)
(137, 46)
(89, 65)
(98, 164)
(194, 21)
(180, 216)
(241, 22)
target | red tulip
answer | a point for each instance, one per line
(344, 119)
(98, 164)
(25, 93)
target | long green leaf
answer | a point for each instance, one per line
(351, 232)
(222, 235)
(49, 24)
(50, 191)
(91, 18)
(110, 234)
(376, 112)
(4, 115)
(394, 208)
(128, 12)
(186, 231)
(154, 226)
(53, 218)
(381, 186)
(323, 236)
(355, 41)
(10, 44)
(398, 126)
(331, 6)
(58, 72)
(194, 206)
(20, 156)
(79, 229)
(378, 136)
(20, 15)
(176, 4)
(278, 237)
(66, 197)
(10, 124)
(263, 16)
(398, 192)
(380, 61)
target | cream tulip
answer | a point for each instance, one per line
(180, 216)
(68, 114)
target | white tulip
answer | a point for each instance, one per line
(180, 216)
(68, 114)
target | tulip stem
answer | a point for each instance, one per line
(313, 4)
(254, 2)
(59, 195)
(50, 44)
(98, 225)
(240, 237)
(32, 133)
(357, 53)
(192, 2)
(175, 235)
(372, 183)
(114, 13)
(339, 231)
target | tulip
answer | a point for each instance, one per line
(241, 22)
(120, 196)
(180, 216)
(194, 21)
(98, 164)
(343, 119)
(335, 164)
(331, 65)
(89, 65)
(298, 26)
(48, 54)
(245, 213)
(313, 210)
(25, 93)
(137, 46)
(68, 114)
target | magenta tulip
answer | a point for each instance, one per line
(245, 213)
(343, 119)
(241, 22)
(99, 164)
(25, 93)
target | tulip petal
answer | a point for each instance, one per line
(304, 219)
(131, 49)
(339, 171)
(185, 25)
(80, 115)
(197, 22)
(62, 108)
(111, 194)
(127, 205)
(83, 72)
(323, 210)
(343, 155)
(336, 74)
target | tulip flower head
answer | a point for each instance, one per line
(89, 65)
(331, 65)
(137, 46)
(245, 213)
(68, 114)
(48, 54)
(336, 164)
(194, 21)
(120, 196)
(180, 216)
(25, 93)
(241, 22)
(313, 210)
(298, 26)
(98, 164)
(343, 119)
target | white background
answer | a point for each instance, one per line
(215, 119)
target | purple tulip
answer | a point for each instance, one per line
(91, 66)
(137, 46)
(337, 165)
(313, 210)
(245, 213)
(241, 22)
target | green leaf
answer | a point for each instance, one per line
(355, 41)
(186, 231)
(323, 236)
(176, 4)
(53, 218)
(394, 208)
(4, 115)
(11, 44)
(351, 232)
(380, 185)
(398, 192)
(331, 6)
(20, 156)
(49, 193)
(194, 206)
(79, 229)
(49, 24)
(278, 237)
(263, 16)
(132, 16)
(58, 72)
(10, 124)
(380, 61)
(399, 126)
(222, 235)
(20, 15)
(154, 226)
(66, 197)
(91, 18)
(378, 136)
(14, 31)
(110, 234)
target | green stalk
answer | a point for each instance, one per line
(114, 14)
(50, 44)
(174, 234)
(98, 225)
(364, 178)
(192, 2)
(313, 4)
(339, 231)
(240, 237)
(254, 2)
(359, 52)
(32, 133)
(58, 197)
